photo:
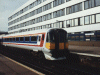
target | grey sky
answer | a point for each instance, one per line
(6, 8)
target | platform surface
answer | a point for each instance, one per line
(85, 49)
(11, 67)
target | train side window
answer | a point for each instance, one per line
(10, 39)
(13, 39)
(21, 38)
(42, 36)
(26, 38)
(33, 38)
(7, 39)
(17, 39)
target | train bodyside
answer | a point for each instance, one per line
(1, 40)
(28, 40)
(39, 41)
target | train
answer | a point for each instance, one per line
(51, 43)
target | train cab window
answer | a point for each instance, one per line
(26, 38)
(48, 37)
(33, 38)
(61, 36)
(21, 38)
(52, 37)
(17, 39)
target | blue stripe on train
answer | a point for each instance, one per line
(34, 42)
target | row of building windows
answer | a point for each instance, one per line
(74, 22)
(33, 21)
(69, 10)
(37, 2)
(59, 13)
(74, 8)
(37, 11)
(87, 4)
(58, 2)
(90, 19)
(91, 4)
(46, 7)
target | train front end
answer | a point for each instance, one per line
(57, 43)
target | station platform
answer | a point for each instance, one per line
(85, 50)
(11, 67)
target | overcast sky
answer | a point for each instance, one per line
(6, 8)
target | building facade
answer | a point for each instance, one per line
(80, 18)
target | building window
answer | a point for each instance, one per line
(93, 18)
(76, 22)
(87, 20)
(97, 18)
(74, 8)
(91, 3)
(72, 24)
(81, 21)
(68, 0)
(67, 23)
(97, 2)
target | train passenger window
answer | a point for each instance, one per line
(21, 38)
(26, 38)
(17, 39)
(10, 39)
(7, 39)
(33, 38)
(13, 39)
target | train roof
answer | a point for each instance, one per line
(30, 32)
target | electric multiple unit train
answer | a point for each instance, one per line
(52, 43)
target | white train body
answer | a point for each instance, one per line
(37, 41)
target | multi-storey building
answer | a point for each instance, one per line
(79, 17)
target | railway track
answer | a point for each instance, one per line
(44, 66)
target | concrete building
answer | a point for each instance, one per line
(80, 18)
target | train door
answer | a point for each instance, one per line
(60, 39)
(38, 40)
